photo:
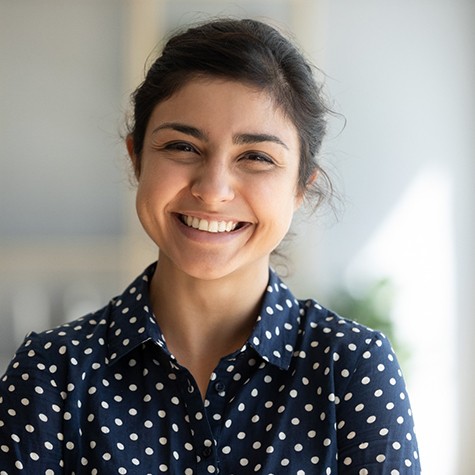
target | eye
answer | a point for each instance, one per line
(258, 158)
(180, 147)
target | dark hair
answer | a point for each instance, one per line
(251, 52)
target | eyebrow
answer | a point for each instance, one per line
(239, 139)
(243, 139)
(183, 128)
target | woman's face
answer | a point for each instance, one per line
(217, 186)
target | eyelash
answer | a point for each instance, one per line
(186, 147)
(259, 157)
(181, 147)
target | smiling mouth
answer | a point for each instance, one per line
(210, 226)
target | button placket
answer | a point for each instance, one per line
(199, 427)
(220, 388)
(206, 452)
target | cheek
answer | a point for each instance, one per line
(284, 194)
(151, 184)
(142, 207)
(277, 205)
(148, 199)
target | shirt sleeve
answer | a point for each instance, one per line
(374, 419)
(31, 414)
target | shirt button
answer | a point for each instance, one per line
(206, 452)
(220, 387)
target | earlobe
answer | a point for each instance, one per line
(129, 142)
(299, 198)
(313, 178)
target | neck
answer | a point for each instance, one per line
(204, 320)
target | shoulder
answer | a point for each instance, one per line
(337, 335)
(54, 354)
(347, 356)
(357, 365)
(75, 334)
(315, 335)
(89, 341)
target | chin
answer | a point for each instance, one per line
(208, 272)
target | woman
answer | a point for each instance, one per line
(207, 363)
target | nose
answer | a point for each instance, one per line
(213, 183)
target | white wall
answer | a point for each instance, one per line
(61, 173)
(60, 106)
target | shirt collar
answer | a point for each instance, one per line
(274, 336)
(132, 322)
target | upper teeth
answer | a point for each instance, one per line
(210, 226)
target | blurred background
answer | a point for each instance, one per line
(399, 249)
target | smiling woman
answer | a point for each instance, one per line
(207, 363)
(232, 168)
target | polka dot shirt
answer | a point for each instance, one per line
(309, 393)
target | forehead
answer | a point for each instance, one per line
(221, 104)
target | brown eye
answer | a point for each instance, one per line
(181, 147)
(259, 158)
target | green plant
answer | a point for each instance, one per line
(371, 306)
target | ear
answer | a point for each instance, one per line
(313, 178)
(129, 142)
(301, 193)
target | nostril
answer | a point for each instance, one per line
(213, 188)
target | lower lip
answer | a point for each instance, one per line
(205, 236)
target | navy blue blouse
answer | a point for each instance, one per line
(309, 393)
